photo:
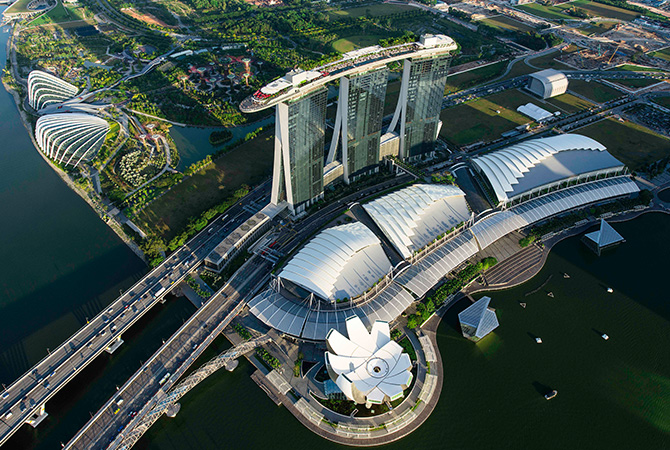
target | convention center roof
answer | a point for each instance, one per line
(524, 167)
(342, 261)
(412, 217)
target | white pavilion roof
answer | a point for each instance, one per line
(537, 162)
(605, 236)
(479, 316)
(339, 262)
(412, 217)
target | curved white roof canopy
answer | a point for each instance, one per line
(368, 367)
(341, 261)
(506, 169)
(45, 89)
(412, 217)
(552, 83)
(70, 138)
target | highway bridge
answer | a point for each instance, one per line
(139, 396)
(24, 400)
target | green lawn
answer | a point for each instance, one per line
(636, 83)
(593, 90)
(600, 10)
(19, 6)
(504, 23)
(460, 81)
(478, 120)
(634, 68)
(371, 10)
(597, 28)
(58, 14)
(350, 43)
(546, 12)
(663, 101)
(249, 164)
(570, 103)
(663, 54)
(634, 145)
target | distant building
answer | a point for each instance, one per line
(603, 238)
(548, 83)
(478, 320)
(534, 112)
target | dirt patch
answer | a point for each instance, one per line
(145, 17)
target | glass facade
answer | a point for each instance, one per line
(365, 110)
(299, 147)
(425, 91)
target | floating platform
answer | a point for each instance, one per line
(551, 394)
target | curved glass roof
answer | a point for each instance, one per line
(537, 162)
(45, 89)
(412, 217)
(70, 138)
(341, 261)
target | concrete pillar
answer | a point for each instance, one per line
(116, 343)
(37, 418)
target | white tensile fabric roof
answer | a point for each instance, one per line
(605, 236)
(479, 317)
(341, 261)
(368, 364)
(412, 217)
(534, 112)
(506, 168)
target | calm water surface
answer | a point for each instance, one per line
(59, 264)
(611, 394)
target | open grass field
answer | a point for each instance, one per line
(636, 83)
(19, 6)
(249, 164)
(593, 90)
(595, 29)
(478, 120)
(350, 43)
(460, 81)
(371, 10)
(634, 68)
(546, 12)
(548, 61)
(57, 15)
(504, 23)
(632, 144)
(569, 103)
(595, 9)
(663, 54)
(663, 101)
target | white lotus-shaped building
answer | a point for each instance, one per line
(368, 367)
(45, 89)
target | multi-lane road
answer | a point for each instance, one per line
(23, 400)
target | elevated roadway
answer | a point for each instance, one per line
(129, 406)
(24, 400)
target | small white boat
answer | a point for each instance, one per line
(538, 340)
(604, 336)
(610, 290)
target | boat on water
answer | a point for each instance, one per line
(550, 294)
(565, 275)
(610, 290)
(551, 394)
(604, 336)
(538, 340)
(523, 305)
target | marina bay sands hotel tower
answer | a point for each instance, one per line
(302, 163)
